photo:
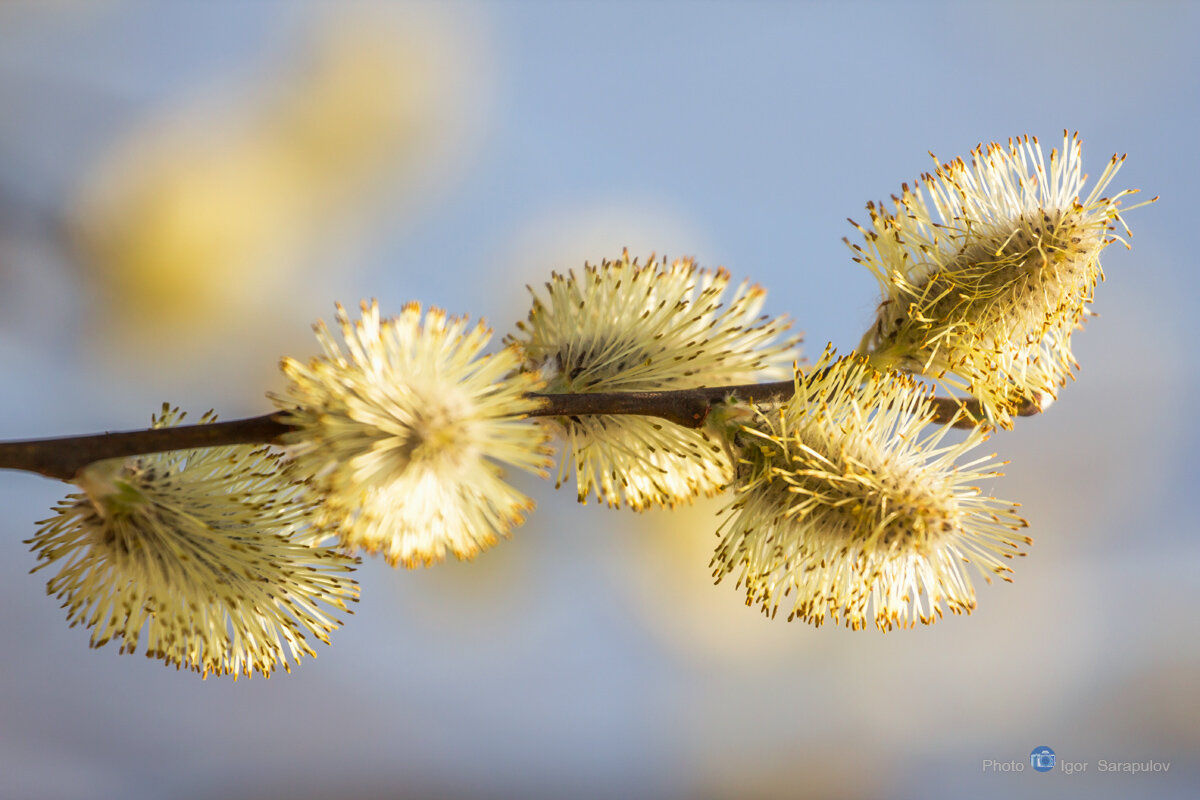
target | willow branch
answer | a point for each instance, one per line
(686, 407)
(689, 407)
(64, 457)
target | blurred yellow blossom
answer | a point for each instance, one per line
(201, 212)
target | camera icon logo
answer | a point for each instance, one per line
(1042, 758)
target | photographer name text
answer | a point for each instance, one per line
(1067, 767)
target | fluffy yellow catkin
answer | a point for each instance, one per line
(987, 273)
(844, 510)
(624, 327)
(401, 433)
(198, 555)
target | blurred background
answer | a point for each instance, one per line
(185, 188)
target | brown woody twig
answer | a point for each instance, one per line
(64, 457)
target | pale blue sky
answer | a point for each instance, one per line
(581, 658)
